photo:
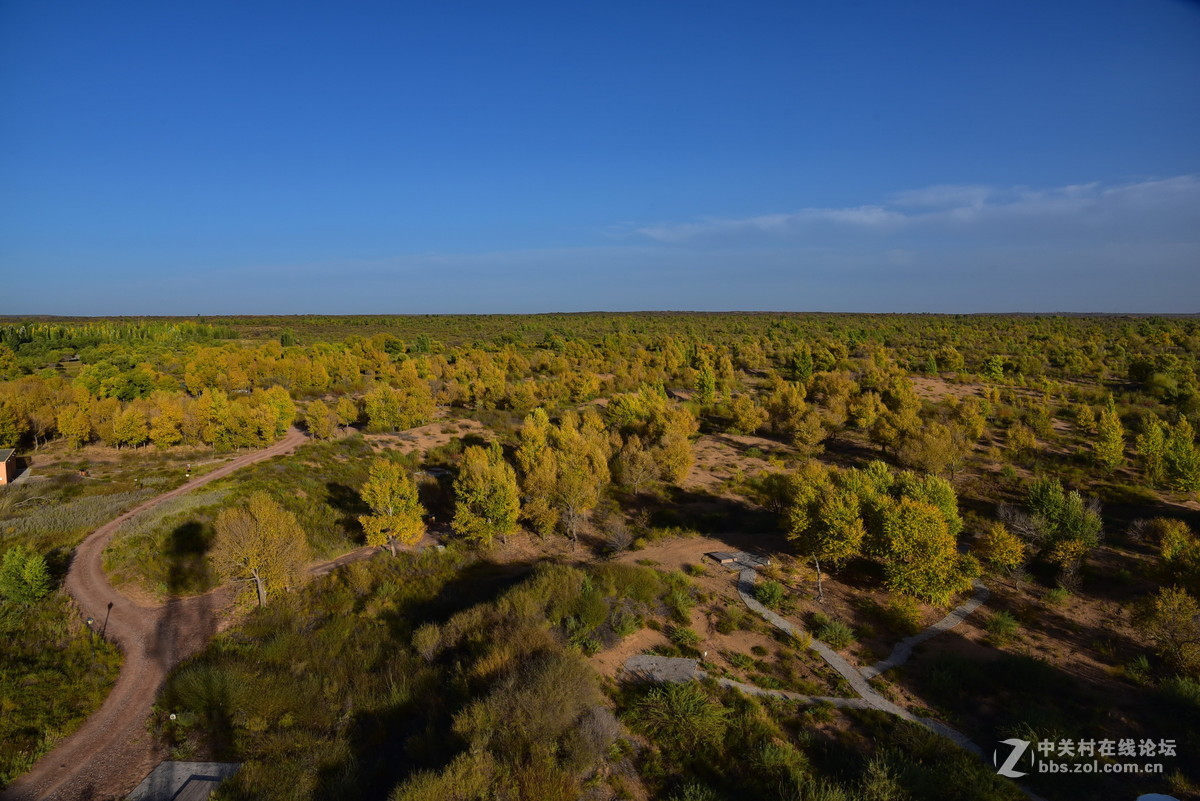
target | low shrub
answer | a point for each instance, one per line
(902, 615)
(770, 594)
(1057, 596)
(685, 637)
(1001, 628)
(836, 634)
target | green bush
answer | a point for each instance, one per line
(53, 674)
(685, 637)
(680, 602)
(730, 618)
(1001, 627)
(64, 523)
(770, 594)
(24, 579)
(836, 634)
(1137, 669)
(680, 715)
(1058, 596)
(740, 660)
(1183, 689)
(902, 615)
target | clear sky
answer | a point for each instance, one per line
(397, 157)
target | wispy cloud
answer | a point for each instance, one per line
(1156, 208)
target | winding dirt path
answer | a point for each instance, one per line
(111, 752)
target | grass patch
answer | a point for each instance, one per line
(836, 634)
(165, 550)
(770, 593)
(50, 679)
(59, 523)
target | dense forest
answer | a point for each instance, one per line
(542, 491)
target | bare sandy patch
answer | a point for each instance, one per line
(935, 389)
(718, 457)
(608, 663)
(431, 435)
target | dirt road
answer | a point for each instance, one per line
(112, 751)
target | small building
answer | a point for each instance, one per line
(183, 781)
(8, 465)
(739, 560)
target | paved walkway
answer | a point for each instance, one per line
(858, 678)
(746, 581)
(904, 648)
(650, 667)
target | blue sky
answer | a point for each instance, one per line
(390, 157)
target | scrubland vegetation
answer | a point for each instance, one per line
(886, 463)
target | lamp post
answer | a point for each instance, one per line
(92, 636)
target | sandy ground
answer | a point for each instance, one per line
(112, 751)
(718, 457)
(935, 389)
(431, 435)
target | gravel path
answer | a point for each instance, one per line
(746, 581)
(650, 667)
(858, 678)
(904, 648)
(112, 751)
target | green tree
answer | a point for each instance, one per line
(578, 489)
(24, 579)
(1085, 418)
(13, 425)
(993, 368)
(395, 408)
(1000, 548)
(283, 409)
(397, 515)
(745, 416)
(706, 385)
(320, 420)
(1179, 549)
(166, 429)
(919, 554)
(130, 427)
(635, 465)
(9, 369)
(261, 544)
(1171, 618)
(487, 499)
(347, 411)
(826, 526)
(936, 449)
(75, 425)
(1181, 459)
(1109, 447)
(1020, 440)
(538, 466)
(1152, 448)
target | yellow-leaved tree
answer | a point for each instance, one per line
(397, 516)
(261, 544)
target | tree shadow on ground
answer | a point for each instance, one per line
(474, 584)
(712, 515)
(187, 552)
(348, 504)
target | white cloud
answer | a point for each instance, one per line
(1150, 208)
